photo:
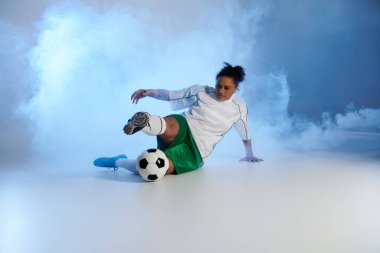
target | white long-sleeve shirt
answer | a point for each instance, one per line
(210, 119)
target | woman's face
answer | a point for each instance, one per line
(225, 87)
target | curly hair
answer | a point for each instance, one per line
(237, 73)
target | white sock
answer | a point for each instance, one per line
(128, 164)
(156, 126)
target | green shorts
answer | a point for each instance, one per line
(182, 151)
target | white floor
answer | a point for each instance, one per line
(293, 203)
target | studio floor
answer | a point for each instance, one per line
(301, 202)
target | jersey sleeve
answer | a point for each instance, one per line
(242, 125)
(184, 98)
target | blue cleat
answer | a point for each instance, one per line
(108, 162)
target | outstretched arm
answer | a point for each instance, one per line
(160, 94)
(249, 154)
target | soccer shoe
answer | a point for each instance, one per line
(108, 162)
(136, 123)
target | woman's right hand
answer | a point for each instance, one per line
(139, 94)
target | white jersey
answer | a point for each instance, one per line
(208, 118)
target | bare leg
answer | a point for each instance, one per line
(172, 128)
(171, 168)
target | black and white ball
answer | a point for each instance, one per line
(152, 164)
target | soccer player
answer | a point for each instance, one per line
(188, 139)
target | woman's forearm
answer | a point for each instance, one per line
(249, 154)
(160, 94)
(248, 147)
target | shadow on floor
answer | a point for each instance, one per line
(120, 176)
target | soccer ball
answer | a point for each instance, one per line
(152, 164)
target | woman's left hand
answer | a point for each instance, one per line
(252, 159)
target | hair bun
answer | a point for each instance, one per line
(236, 72)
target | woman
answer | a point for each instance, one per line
(188, 139)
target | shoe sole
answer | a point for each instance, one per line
(139, 120)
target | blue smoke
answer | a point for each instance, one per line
(330, 51)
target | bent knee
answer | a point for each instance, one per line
(171, 169)
(172, 129)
